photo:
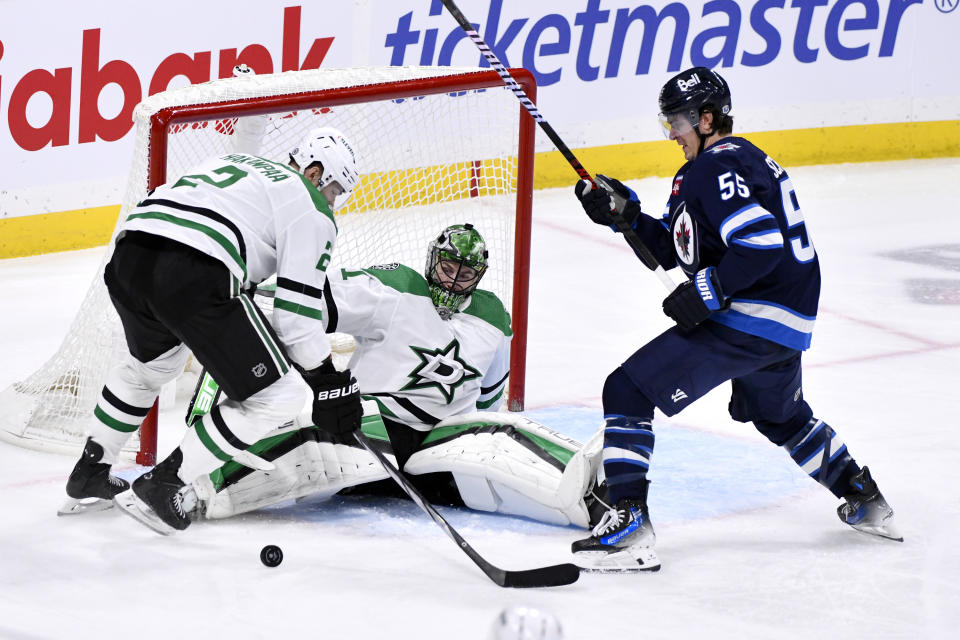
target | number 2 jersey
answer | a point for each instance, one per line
(735, 209)
(258, 218)
(419, 367)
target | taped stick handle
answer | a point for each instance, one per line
(631, 236)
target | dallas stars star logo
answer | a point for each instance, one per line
(683, 239)
(441, 368)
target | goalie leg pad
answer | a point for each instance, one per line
(231, 427)
(509, 464)
(304, 465)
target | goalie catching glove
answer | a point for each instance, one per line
(610, 200)
(336, 399)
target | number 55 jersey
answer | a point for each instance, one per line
(735, 209)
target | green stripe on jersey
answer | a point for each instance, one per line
(397, 276)
(113, 423)
(484, 404)
(217, 237)
(278, 356)
(318, 199)
(487, 306)
(299, 309)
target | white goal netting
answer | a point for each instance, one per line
(433, 150)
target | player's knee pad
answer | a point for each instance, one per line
(140, 382)
(304, 465)
(508, 464)
(277, 404)
(822, 455)
(622, 397)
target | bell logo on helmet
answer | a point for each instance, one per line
(686, 85)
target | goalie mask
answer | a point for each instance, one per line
(331, 149)
(456, 261)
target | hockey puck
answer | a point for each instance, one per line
(271, 555)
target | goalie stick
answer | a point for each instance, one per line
(552, 576)
(633, 239)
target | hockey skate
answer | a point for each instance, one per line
(621, 542)
(159, 499)
(866, 510)
(90, 485)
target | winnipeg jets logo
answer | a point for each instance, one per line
(676, 185)
(441, 368)
(684, 237)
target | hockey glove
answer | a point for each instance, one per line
(603, 204)
(694, 300)
(336, 399)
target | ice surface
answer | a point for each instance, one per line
(750, 547)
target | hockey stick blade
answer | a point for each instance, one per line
(552, 576)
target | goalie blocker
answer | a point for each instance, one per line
(499, 462)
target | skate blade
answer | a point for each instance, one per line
(130, 504)
(75, 506)
(887, 531)
(636, 560)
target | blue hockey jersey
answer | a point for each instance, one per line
(734, 208)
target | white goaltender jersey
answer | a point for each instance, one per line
(418, 367)
(259, 218)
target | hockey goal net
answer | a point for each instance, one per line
(436, 146)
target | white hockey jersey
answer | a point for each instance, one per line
(259, 218)
(418, 367)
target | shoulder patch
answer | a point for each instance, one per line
(400, 277)
(726, 146)
(487, 306)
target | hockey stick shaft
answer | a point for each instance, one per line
(631, 236)
(551, 576)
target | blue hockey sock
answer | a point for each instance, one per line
(822, 455)
(627, 447)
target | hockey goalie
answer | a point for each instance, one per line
(432, 359)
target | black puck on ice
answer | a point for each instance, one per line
(271, 555)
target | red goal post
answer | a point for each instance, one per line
(437, 145)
